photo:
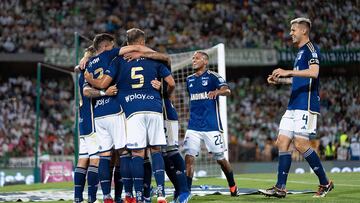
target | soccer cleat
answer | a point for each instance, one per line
(324, 189)
(161, 200)
(184, 197)
(129, 199)
(274, 192)
(109, 200)
(234, 191)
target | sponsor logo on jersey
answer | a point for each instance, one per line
(191, 85)
(199, 96)
(132, 144)
(131, 97)
(95, 60)
(101, 102)
(204, 83)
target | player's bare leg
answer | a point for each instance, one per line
(302, 144)
(226, 168)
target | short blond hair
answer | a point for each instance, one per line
(301, 20)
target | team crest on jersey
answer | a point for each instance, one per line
(204, 83)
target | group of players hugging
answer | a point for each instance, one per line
(126, 117)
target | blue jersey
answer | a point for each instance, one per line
(204, 112)
(136, 94)
(168, 108)
(86, 117)
(98, 66)
(305, 91)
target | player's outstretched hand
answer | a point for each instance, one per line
(132, 56)
(111, 91)
(281, 73)
(272, 80)
(156, 84)
(213, 94)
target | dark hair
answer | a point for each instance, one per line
(101, 38)
(134, 35)
(205, 55)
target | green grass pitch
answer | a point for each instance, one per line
(347, 188)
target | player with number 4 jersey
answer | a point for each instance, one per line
(299, 120)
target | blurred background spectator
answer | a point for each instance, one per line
(176, 25)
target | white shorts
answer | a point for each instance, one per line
(171, 132)
(214, 142)
(298, 123)
(145, 129)
(88, 146)
(110, 132)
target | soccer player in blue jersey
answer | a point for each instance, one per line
(105, 53)
(106, 80)
(299, 120)
(174, 163)
(88, 148)
(143, 109)
(108, 115)
(204, 88)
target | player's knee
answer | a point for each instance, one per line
(94, 160)
(155, 149)
(83, 162)
(301, 144)
(218, 156)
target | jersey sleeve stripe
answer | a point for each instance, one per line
(311, 47)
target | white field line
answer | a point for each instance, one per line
(292, 181)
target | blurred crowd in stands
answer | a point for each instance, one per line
(18, 117)
(254, 112)
(176, 25)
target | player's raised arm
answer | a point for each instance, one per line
(99, 83)
(93, 93)
(89, 52)
(151, 55)
(134, 48)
